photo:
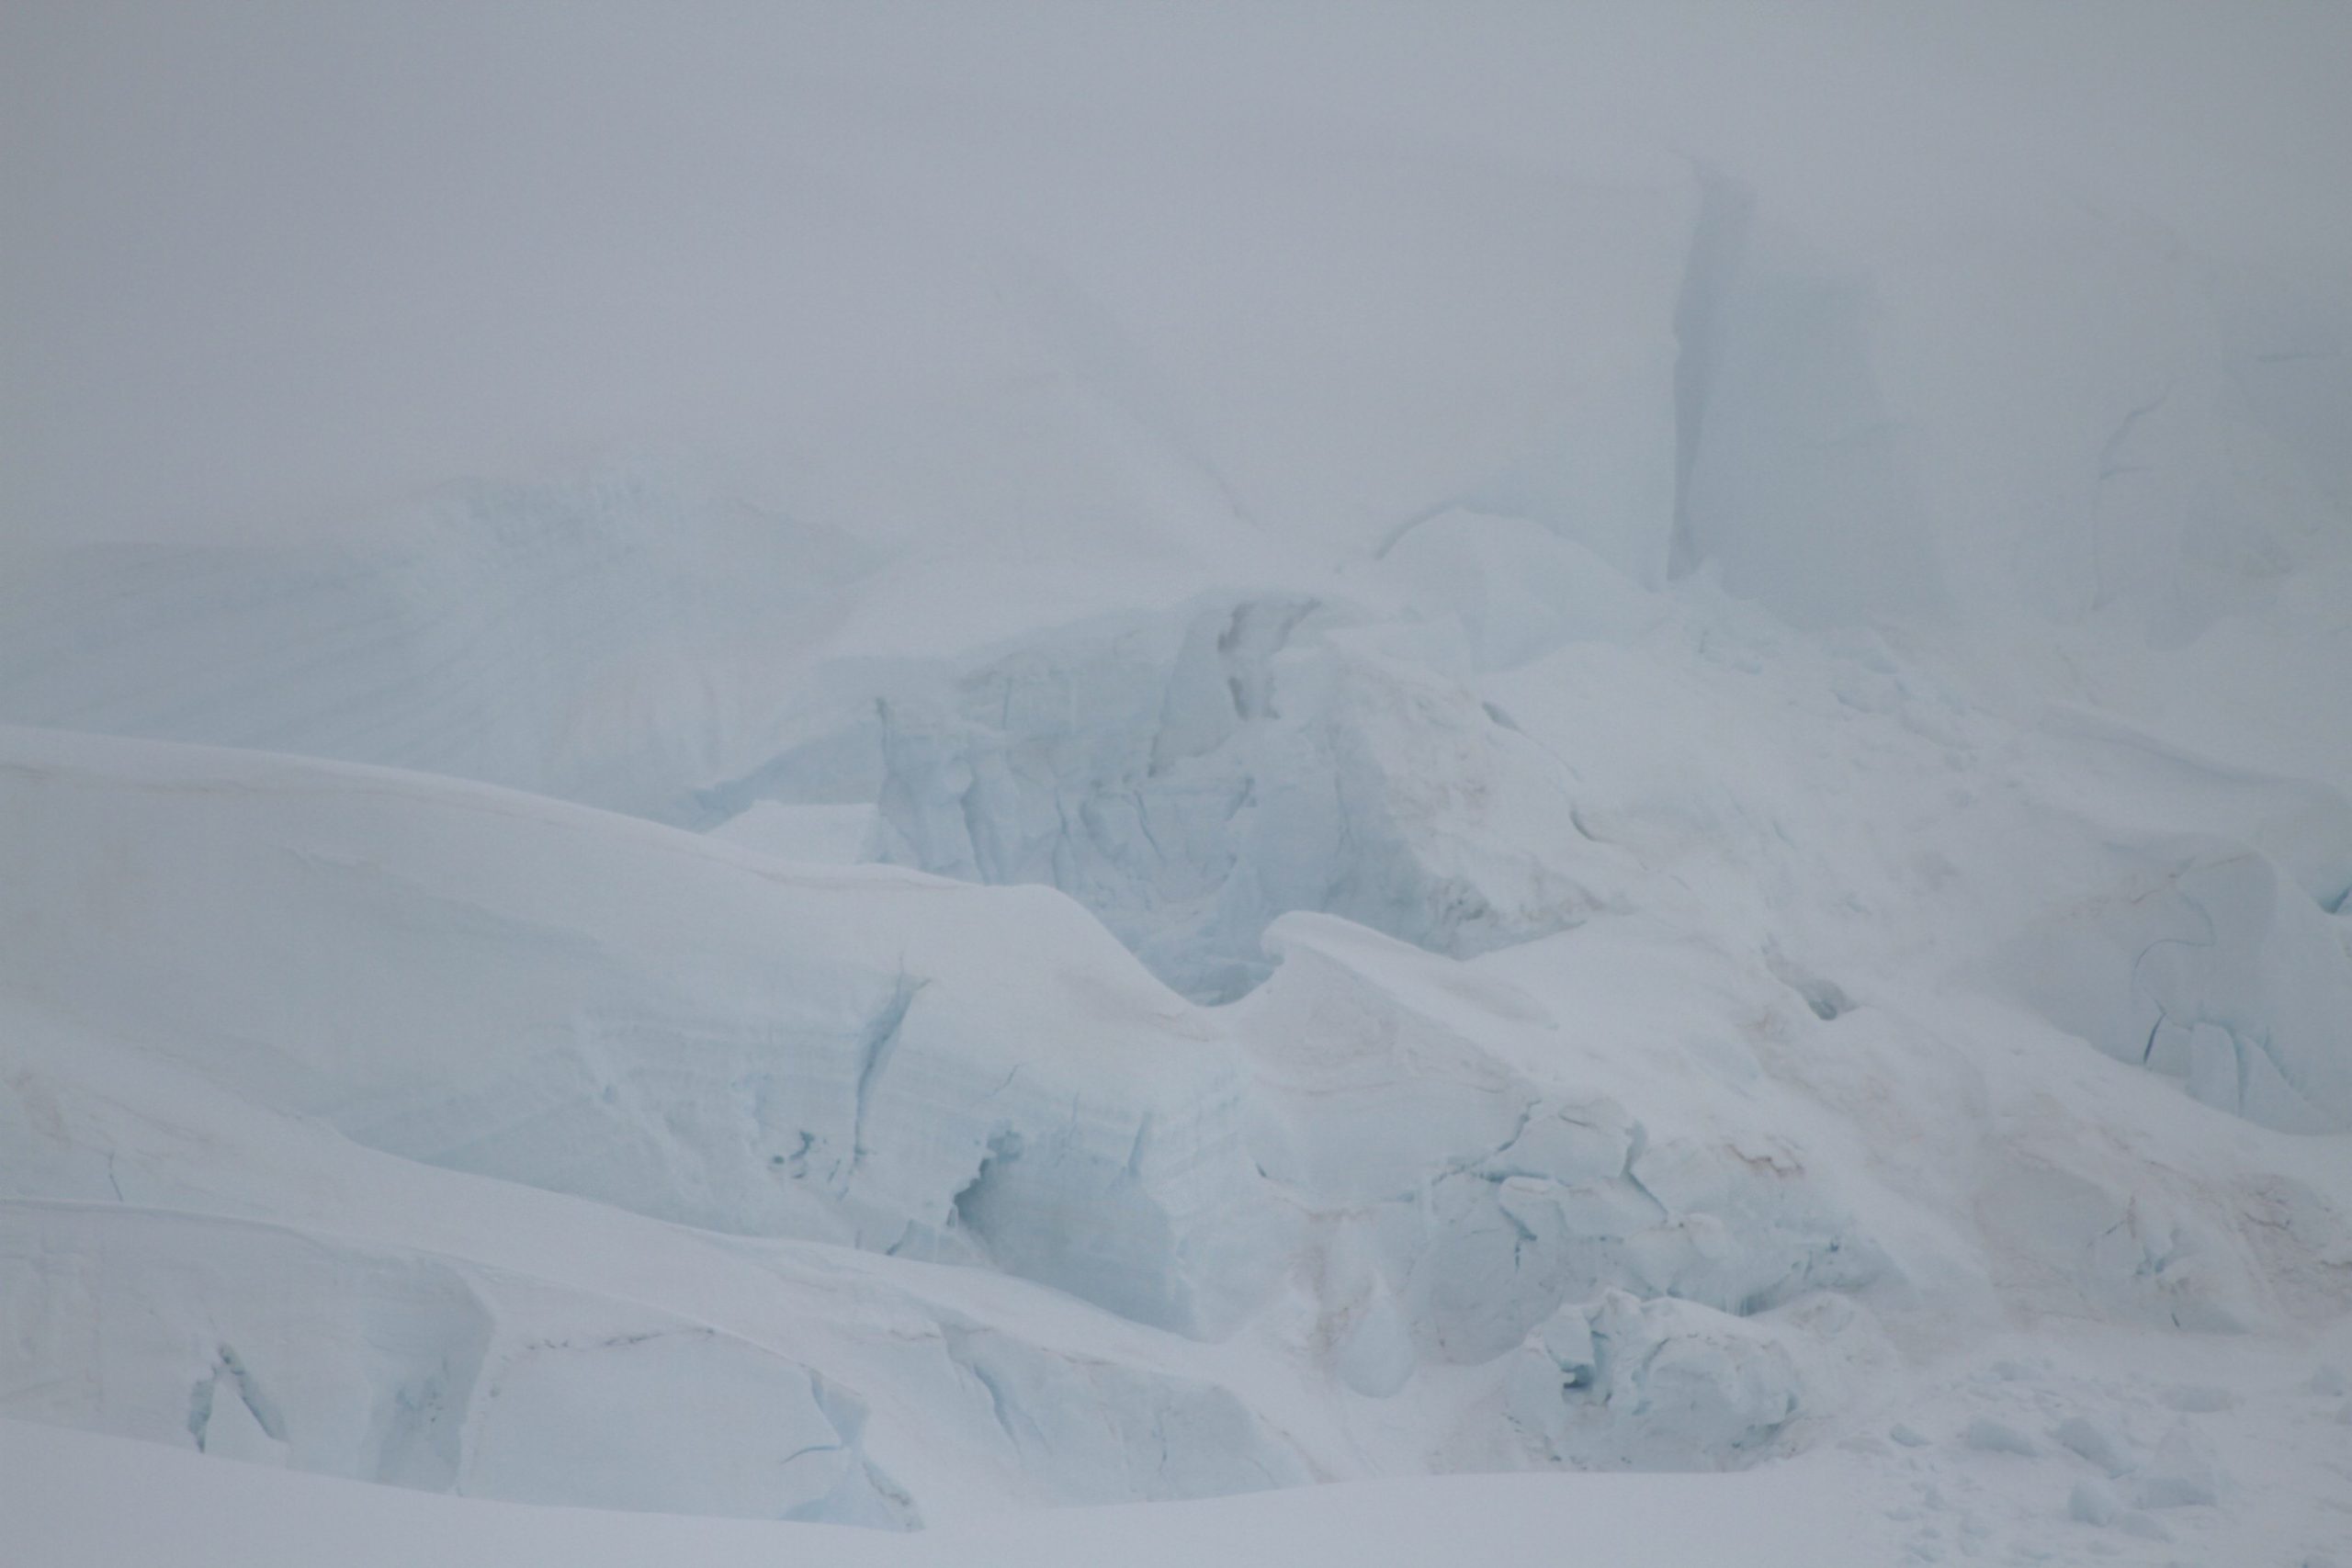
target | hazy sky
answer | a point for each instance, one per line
(267, 263)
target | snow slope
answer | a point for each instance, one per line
(1650, 1191)
(1462, 750)
(75, 1489)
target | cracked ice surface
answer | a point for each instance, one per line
(1575, 1100)
(728, 1043)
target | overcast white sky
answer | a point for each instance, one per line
(267, 263)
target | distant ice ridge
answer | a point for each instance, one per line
(1151, 696)
(554, 637)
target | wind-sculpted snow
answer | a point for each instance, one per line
(1659, 985)
(1155, 761)
(284, 1346)
(275, 1292)
(499, 985)
(1587, 1102)
(496, 984)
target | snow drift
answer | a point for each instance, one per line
(1489, 750)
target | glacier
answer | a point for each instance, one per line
(1516, 815)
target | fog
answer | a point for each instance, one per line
(269, 265)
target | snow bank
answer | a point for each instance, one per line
(502, 985)
(1347, 777)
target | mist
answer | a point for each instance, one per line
(269, 268)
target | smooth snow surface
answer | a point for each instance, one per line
(100, 1499)
(1330, 755)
